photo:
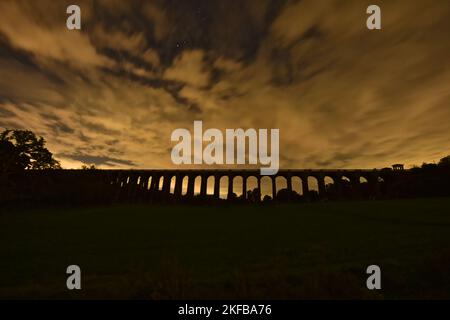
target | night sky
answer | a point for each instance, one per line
(341, 95)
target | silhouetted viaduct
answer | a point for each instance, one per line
(196, 186)
(181, 184)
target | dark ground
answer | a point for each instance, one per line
(292, 251)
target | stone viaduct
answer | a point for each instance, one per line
(182, 184)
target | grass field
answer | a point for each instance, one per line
(304, 251)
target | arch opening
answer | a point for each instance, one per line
(297, 185)
(161, 183)
(173, 181)
(281, 185)
(253, 193)
(184, 186)
(237, 185)
(223, 187)
(197, 185)
(210, 185)
(266, 188)
(313, 184)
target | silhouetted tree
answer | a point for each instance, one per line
(22, 149)
(90, 167)
(428, 180)
(285, 195)
(233, 197)
(254, 195)
(444, 162)
(10, 160)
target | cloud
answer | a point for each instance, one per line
(189, 68)
(98, 160)
(26, 32)
(134, 43)
(342, 96)
(157, 16)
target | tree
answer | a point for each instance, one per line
(22, 150)
(88, 167)
(9, 158)
(444, 162)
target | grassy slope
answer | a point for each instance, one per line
(288, 251)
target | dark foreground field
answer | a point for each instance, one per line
(301, 251)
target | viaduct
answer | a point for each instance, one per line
(197, 185)
(188, 184)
